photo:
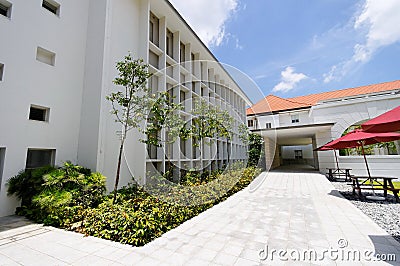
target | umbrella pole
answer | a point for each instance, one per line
(365, 160)
(366, 164)
(337, 162)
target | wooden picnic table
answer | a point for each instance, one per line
(337, 172)
(380, 183)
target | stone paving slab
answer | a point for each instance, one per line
(292, 212)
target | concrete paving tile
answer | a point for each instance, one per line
(250, 254)
(244, 262)
(6, 261)
(232, 249)
(205, 254)
(197, 262)
(94, 260)
(132, 259)
(225, 259)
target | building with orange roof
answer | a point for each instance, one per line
(293, 127)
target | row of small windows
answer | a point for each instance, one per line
(253, 123)
(50, 5)
(154, 33)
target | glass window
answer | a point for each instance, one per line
(38, 158)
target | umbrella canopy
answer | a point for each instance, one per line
(387, 122)
(324, 148)
(359, 138)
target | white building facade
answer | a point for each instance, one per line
(57, 66)
(293, 128)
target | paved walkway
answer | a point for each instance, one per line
(300, 213)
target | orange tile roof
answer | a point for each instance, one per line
(273, 103)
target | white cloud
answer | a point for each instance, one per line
(207, 17)
(289, 79)
(379, 20)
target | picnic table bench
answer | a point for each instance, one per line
(338, 172)
(380, 183)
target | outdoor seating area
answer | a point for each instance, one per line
(335, 173)
(377, 130)
(373, 184)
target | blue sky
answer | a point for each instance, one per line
(299, 47)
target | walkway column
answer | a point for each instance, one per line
(271, 153)
(315, 153)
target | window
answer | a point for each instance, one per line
(36, 158)
(5, 8)
(51, 6)
(2, 155)
(182, 52)
(39, 113)
(182, 79)
(295, 118)
(1, 71)
(193, 86)
(45, 56)
(183, 147)
(268, 125)
(170, 44)
(250, 123)
(170, 91)
(153, 59)
(153, 83)
(154, 29)
(169, 70)
(298, 154)
(183, 96)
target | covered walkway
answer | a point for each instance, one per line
(281, 210)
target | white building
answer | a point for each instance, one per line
(292, 128)
(57, 64)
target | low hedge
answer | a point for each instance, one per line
(138, 217)
(72, 197)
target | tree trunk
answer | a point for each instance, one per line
(228, 150)
(121, 148)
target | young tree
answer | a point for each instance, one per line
(130, 106)
(210, 122)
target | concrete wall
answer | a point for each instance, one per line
(27, 81)
(288, 151)
(382, 165)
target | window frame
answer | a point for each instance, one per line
(46, 115)
(52, 157)
(295, 118)
(1, 71)
(7, 7)
(52, 6)
(169, 43)
(154, 29)
(43, 54)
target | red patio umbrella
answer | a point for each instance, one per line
(359, 138)
(324, 148)
(387, 122)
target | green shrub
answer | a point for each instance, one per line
(138, 217)
(60, 194)
(26, 184)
